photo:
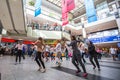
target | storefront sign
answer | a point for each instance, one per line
(105, 39)
(7, 40)
(50, 41)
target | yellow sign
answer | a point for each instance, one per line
(50, 41)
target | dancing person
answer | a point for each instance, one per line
(92, 54)
(47, 51)
(58, 52)
(19, 48)
(40, 47)
(77, 56)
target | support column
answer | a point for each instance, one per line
(1, 28)
(84, 32)
(29, 31)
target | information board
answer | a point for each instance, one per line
(105, 39)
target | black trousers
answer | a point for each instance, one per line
(77, 56)
(18, 54)
(83, 54)
(23, 55)
(95, 59)
(39, 60)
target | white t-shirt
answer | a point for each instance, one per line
(112, 50)
(20, 46)
(47, 48)
(58, 47)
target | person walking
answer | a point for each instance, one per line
(58, 52)
(47, 52)
(113, 53)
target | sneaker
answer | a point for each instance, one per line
(16, 63)
(99, 69)
(78, 71)
(39, 69)
(44, 70)
(85, 74)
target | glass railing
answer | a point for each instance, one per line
(46, 31)
(45, 27)
(47, 34)
(35, 26)
(107, 15)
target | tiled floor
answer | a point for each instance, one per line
(27, 70)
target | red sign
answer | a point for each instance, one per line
(7, 40)
(12, 41)
(67, 6)
(64, 6)
(27, 42)
(70, 5)
(65, 22)
(64, 13)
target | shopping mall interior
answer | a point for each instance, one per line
(51, 39)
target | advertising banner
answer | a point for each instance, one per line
(64, 13)
(37, 7)
(90, 11)
(64, 6)
(64, 19)
(70, 5)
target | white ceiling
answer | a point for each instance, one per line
(12, 16)
(5, 16)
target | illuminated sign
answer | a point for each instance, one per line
(105, 39)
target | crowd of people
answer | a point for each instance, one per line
(54, 27)
(76, 49)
